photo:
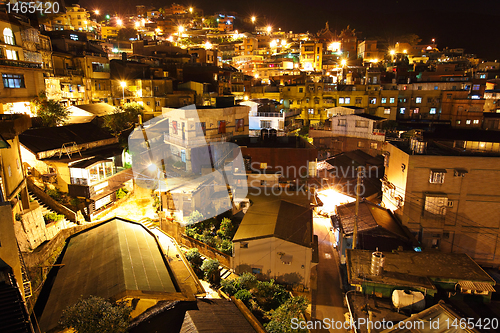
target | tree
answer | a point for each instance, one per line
(126, 34)
(195, 259)
(271, 295)
(281, 318)
(211, 269)
(96, 315)
(211, 22)
(123, 118)
(50, 112)
(227, 229)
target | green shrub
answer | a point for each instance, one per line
(18, 217)
(247, 281)
(52, 217)
(225, 246)
(244, 295)
(54, 194)
(210, 267)
(195, 259)
(230, 287)
(121, 193)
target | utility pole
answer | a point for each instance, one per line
(355, 232)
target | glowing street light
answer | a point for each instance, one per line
(191, 10)
(180, 29)
(123, 84)
(269, 29)
(253, 19)
(405, 51)
(273, 44)
(119, 21)
(208, 45)
(392, 52)
(137, 24)
(343, 62)
(96, 11)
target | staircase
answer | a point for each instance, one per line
(47, 210)
(13, 315)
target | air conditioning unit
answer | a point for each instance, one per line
(460, 173)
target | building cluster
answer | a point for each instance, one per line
(300, 112)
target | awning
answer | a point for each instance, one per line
(439, 170)
(476, 286)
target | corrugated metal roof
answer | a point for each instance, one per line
(476, 286)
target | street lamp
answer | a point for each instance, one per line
(119, 22)
(123, 84)
(191, 10)
(96, 11)
(253, 19)
(269, 29)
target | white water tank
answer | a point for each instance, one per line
(408, 300)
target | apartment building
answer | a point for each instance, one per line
(444, 188)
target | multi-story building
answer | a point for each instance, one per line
(359, 126)
(311, 56)
(368, 51)
(22, 66)
(79, 18)
(445, 191)
(492, 96)
(461, 110)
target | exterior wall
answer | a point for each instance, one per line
(352, 130)
(469, 222)
(11, 166)
(265, 254)
(326, 141)
(292, 162)
(311, 56)
(462, 111)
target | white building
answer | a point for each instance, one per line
(258, 121)
(359, 126)
(275, 240)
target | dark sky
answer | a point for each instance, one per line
(473, 25)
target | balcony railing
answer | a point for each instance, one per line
(20, 63)
(267, 114)
(196, 141)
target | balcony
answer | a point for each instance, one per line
(108, 185)
(20, 63)
(196, 141)
(267, 114)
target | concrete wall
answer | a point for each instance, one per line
(265, 254)
(470, 223)
(9, 252)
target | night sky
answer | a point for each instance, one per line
(472, 25)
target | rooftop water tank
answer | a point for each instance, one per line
(413, 301)
(377, 264)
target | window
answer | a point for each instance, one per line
(436, 88)
(384, 100)
(244, 245)
(386, 159)
(459, 122)
(265, 124)
(341, 100)
(437, 176)
(158, 103)
(476, 121)
(362, 123)
(373, 145)
(148, 103)
(201, 129)
(256, 270)
(343, 122)
(432, 111)
(358, 100)
(418, 100)
(222, 126)
(240, 125)
(347, 100)
(361, 144)
(174, 127)
(157, 88)
(467, 122)
(448, 96)
(475, 87)
(392, 100)
(301, 90)
(387, 111)
(373, 100)
(402, 110)
(8, 36)
(13, 81)
(416, 110)
(436, 205)
(11, 54)
(310, 111)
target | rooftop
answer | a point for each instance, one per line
(49, 138)
(277, 218)
(415, 269)
(113, 259)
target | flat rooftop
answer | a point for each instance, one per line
(112, 260)
(415, 269)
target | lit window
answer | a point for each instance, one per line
(476, 121)
(436, 205)
(387, 111)
(11, 54)
(343, 122)
(384, 100)
(347, 100)
(373, 101)
(362, 123)
(432, 111)
(402, 110)
(437, 176)
(373, 145)
(418, 100)
(310, 111)
(416, 110)
(341, 100)
(13, 81)
(467, 122)
(459, 122)
(392, 100)
(475, 87)
(8, 36)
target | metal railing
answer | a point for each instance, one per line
(19, 63)
(196, 141)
